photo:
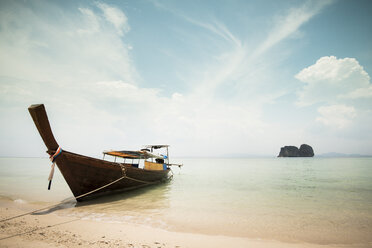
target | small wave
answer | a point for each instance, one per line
(113, 218)
(20, 201)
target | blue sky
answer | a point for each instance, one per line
(210, 78)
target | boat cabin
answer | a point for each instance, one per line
(151, 157)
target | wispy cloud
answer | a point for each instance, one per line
(213, 26)
(91, 20)
(288, 24)
(116, 17)
(239, 64)
(216, 28)
(336, 116)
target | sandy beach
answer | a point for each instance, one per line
(48, 229)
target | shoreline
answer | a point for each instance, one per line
(47, 229)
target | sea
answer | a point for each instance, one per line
(312, 200)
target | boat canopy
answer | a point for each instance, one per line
(156, 146)
(132, 154)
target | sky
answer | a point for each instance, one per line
(209, 78)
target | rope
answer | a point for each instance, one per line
(34, 211)
(56, 154)
(38, 229)
(53, 158)
(95, 190)
(123, 169)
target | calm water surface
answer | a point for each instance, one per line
(315, 200)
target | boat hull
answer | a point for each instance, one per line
(86, 174)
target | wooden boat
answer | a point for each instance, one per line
(89, 177)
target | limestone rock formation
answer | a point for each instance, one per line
(293, 151)
(306, 151)
(288, 151)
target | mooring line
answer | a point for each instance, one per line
(80, 196)
(38, 229)
(32, 212)
(124, 175)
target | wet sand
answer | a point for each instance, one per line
(51, 230)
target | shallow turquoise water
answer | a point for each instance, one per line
(316, 200)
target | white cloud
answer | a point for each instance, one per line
(189, 121)
(341, 86)
(364, 92)
(74, 48)
(177, 96)
(57, 61)
(116, 17)
(339, 116)
(330, 80)
(92, 24)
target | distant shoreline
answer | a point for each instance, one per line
(342, 155)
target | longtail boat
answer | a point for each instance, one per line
(90, 177)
